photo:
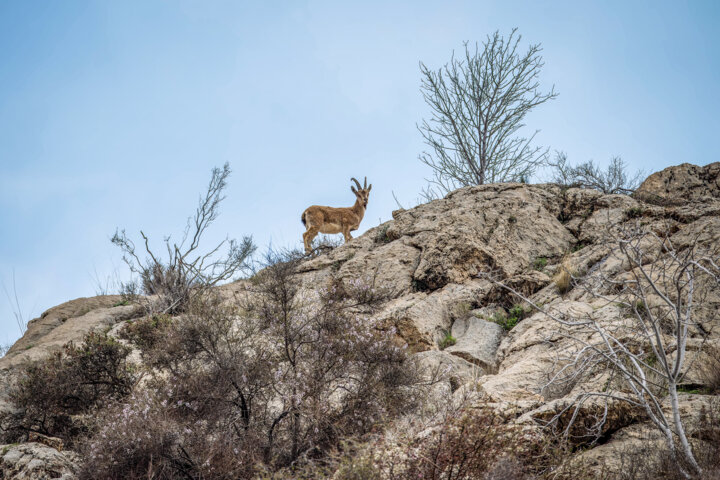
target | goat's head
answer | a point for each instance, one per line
(362, 193)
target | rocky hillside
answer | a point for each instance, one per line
(442, 261)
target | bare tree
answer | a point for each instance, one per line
(588, 175)
(644, 358)
(478, 106)
(187, 270)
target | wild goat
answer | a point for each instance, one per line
(319, 219)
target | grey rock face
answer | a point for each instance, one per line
(431, 259)
(35, 461)
(477, 341)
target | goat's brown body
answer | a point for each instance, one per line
(321, 219)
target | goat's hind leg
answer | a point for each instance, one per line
(308, 237)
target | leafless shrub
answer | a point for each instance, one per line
(476, 443)
(324, 243)
(648, 461)
(588, 175)
(21, 320)
(186, 271)
(479, 104)
(710, 370)
(282, 379)
(146, 332)
(643, 358)
(147, 437)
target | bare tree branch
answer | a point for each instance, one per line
(186, 272)
(645, 356)
(478, 106)
(588, 175)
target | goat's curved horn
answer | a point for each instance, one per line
(365, 186)
(357, 183)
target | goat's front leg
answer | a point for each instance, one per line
(346, 233)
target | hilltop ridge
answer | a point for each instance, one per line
(441, 261)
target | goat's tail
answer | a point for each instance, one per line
(302, 219)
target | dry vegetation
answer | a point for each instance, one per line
(229, 392)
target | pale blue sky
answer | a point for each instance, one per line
(113, 113)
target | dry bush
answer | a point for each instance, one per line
(563, 277)
(615, 180)
(146, 332)
(710, 370)
(51, 393)
(323, 243)
(277, 383)
(475, 444)
(187, 271)
(353, 460)
(149, 437)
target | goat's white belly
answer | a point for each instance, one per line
(331, 228)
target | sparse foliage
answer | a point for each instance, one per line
(284, 379)
(475, 443)
(186, 271)
(616, 179)
(479, 103)
(643, 358)
(447, 341)
(540, 263)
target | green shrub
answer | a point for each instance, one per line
(640, 306)
(382, 236)
(517, 311)
(447, 341)
(578, 246)
(540, 263)
(509, 320)
(504, 321)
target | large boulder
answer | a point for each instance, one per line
(681, 184)
(477, 341)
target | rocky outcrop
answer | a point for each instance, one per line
(435, 262)
(67, 322)
(477, 341)
(682, 184)
(35, 461)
